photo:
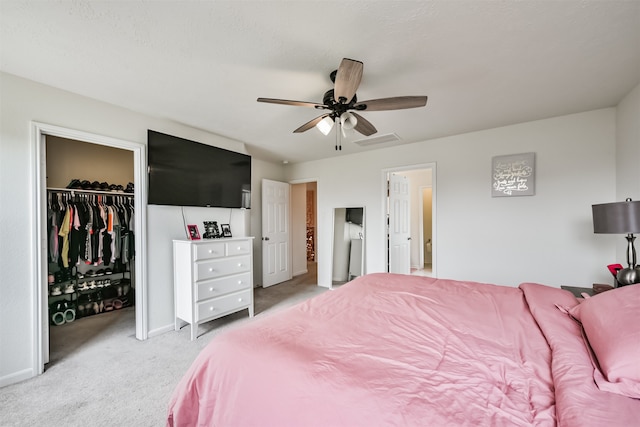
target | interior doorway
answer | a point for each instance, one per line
(39, 256)
(93, 185)
(304, 228)
(421, 183)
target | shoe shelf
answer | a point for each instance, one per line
(76, 295)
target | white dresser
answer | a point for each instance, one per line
(212, 278)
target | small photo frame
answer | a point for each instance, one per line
(211, 230)
(226, 230)
(192, 232)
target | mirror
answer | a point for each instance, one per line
(348, 244)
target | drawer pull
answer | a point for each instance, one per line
(239, 282)
(240, 299)
(211, 289)
(210, 251)
(211, 308)
(211, 269)
(239, 264)
(239, 248)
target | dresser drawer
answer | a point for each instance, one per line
(217, 287)
(222, 267)
(219, 306)
(240, 247)
(209, 250)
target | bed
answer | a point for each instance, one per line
(396, 350)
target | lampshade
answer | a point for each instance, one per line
(617, 218)
(348, 121)
(325, 125)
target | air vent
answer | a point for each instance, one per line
(389, 137)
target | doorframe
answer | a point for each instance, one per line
(385, 211)
(39, 131)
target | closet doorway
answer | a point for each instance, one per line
(45, 135)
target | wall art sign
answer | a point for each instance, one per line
(513, 175)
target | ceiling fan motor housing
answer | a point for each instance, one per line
(337, 108)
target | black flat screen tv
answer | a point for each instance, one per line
(188, 173)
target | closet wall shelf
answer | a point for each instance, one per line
(83, 191)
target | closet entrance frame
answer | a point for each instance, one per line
(39, 132)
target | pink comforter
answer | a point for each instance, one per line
(394, 350)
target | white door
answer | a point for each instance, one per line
(399, 232)
(276, 254)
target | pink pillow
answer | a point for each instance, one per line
(611, 323)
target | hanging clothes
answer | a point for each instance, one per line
(89, 228)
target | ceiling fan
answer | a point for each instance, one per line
(342, 103)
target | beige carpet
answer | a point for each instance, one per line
(100, 375)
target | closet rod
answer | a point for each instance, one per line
(80, 190)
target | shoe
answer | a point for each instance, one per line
(56, 291)
(69, 289)
(108, 271)
(86, 185)
(104, 186)
(74, 183)
(69, 315)
(100, 272)
(57, 318)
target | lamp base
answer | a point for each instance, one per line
(628, 276)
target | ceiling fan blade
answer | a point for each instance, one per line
(395, 103)
(293, 103)
(364, 126)
(348, 79)
(305, 127)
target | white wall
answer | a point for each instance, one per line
(24, 101)
(627, 158)
(545, 238)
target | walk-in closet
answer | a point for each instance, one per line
(90, 240)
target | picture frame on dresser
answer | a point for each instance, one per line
(192, 232)
(226, 230)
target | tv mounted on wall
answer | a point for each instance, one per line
(188, 173)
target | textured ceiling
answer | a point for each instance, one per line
(483, 64)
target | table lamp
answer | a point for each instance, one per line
(620, 218)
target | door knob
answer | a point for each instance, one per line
(265, 238)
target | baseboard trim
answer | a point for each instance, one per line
(301, 272)
(160, 331)
(16, 377)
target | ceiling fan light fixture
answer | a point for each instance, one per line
(348, 121)
(325, 125)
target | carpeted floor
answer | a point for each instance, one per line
(100, 375)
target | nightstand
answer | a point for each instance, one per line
(577, 291)
(595, 290)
